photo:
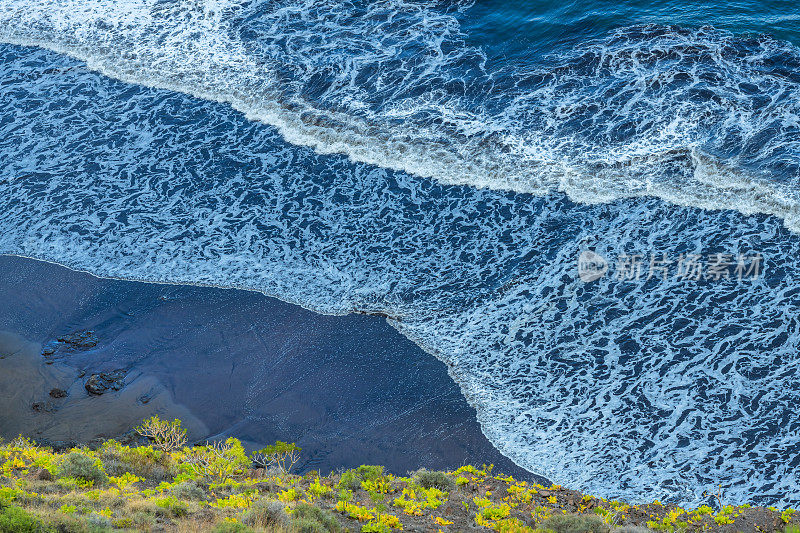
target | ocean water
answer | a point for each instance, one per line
(446, 165)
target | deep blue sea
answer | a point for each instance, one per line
(447, 164)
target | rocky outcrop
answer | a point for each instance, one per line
(98, 384)
(80, 340)
(70, 343)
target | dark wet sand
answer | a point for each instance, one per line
(349, 390)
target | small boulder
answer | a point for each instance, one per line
(58, 393)
(144, 399)
(98, 384)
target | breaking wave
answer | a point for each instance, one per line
(694, 117)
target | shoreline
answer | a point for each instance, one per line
(231, 363)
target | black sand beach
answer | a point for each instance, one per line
(349, 390)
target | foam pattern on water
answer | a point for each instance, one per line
(694, 117)
(646, 389)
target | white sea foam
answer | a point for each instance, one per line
(697, 118)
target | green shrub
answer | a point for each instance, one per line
(188, 490)
(15, 520)
(282, 455)
(434, 479)
(317, 489)
(142, 461)
(166, 436)
(266, 514)
(80, 466)
(217, 460)
(351, 479)
(370, 472)
(311, 519)
(173, 507)
(307, 525)
(575, 523)
(125, 522)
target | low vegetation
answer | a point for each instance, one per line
(217, 487)
(165, 435)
